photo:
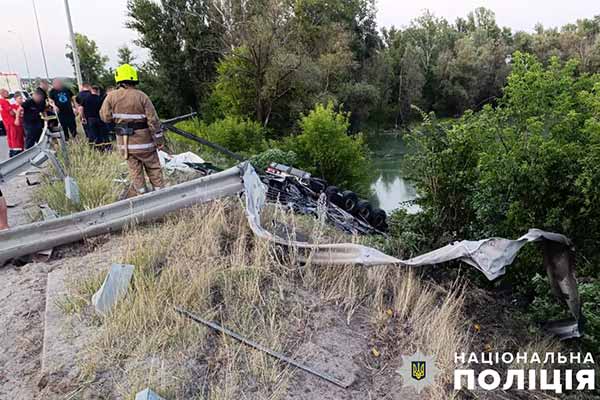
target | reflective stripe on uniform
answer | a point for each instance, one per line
(138, 146)
(129, 116)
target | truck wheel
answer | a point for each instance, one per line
(349, 200)
(317, 185)
(331, 192)
(378, 219)
(364, 209)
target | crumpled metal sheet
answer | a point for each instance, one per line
(490, 256)
(113, 288)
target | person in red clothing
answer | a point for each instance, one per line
(7, 116)
(16, 141)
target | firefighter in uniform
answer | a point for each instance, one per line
(137, 127)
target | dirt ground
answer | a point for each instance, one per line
(23, 303)
(22, 306)
(330, 345)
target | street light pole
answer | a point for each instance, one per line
(24, 54)
(37, 22)
(73, 46)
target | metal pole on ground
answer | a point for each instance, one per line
(73, 45)
(37, 22)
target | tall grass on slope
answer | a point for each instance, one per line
(208, 261)
(95, 173)
(407, 313)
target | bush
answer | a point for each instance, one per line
(261, 161)
(325, 149)
(239, 135)
(532, 162)
(545, 307)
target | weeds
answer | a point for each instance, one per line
(95, 173)
(208, 261)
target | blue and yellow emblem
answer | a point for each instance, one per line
(418, 370)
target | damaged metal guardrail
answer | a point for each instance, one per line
(28, 239)
(22, 161)
(490, 256)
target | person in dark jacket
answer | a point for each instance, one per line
(62, 99)
(32, 118)
(89, 104)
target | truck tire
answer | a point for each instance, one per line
(317, 185)
(364, 209)
(332, 193)
(349, 200)
(378, 219)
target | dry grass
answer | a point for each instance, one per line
(95, 173)
(208, 261)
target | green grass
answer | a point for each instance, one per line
(95, 173)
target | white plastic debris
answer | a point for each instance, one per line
(177, 161)
(114, 287)
(71, 190)
(147, 394)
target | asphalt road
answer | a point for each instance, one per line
(3, 148)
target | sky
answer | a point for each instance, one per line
(104, 22)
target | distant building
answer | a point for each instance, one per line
(10, 81)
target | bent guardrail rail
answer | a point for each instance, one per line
(490, 256)
(28, 239)
(22, 161)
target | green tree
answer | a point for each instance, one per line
(184, 47)
(530, 162)
(125, 55)
(258, 72)
(91, 62)
(325, 148)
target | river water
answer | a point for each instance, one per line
(388, 185)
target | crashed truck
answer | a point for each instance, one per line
(299, 191)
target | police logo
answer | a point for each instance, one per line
(418, 371)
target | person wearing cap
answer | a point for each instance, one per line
(138, 129)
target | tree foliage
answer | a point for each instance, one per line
(125, 55)
(530, 162)
(184, 46)
(325, 148)
(91, 62)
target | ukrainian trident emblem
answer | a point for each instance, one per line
(418, 370)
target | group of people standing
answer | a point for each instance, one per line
(126, 110)
(23, 118)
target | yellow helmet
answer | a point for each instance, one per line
(126, 72)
